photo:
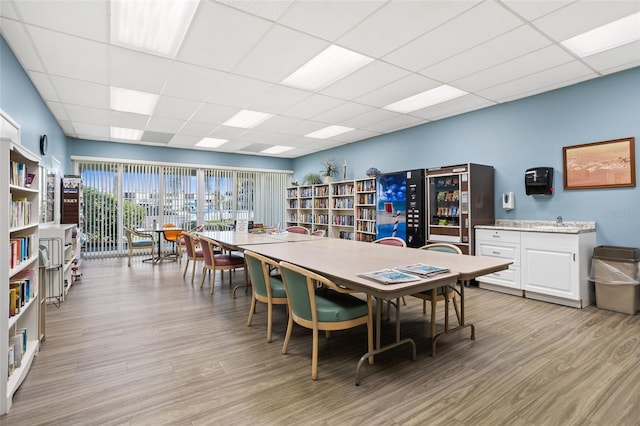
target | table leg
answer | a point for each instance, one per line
(378, 348)
(462, 326)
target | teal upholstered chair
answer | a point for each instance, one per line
(139, 241)
(266, 288)
(439, 293)
(328, 308)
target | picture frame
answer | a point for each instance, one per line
(606, 164)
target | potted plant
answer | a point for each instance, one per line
(329, 170)
(311, 179)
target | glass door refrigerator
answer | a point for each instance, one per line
(400, 206)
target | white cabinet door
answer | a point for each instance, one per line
(550, 264)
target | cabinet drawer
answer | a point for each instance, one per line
(507, 278)
(503, 251)
(498, 235)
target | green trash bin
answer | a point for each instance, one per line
(616, 273)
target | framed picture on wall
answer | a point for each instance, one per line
(607, 164)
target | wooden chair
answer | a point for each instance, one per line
(328, 309)
(219, 262)
(183, 243)
(266, 288)
(297, 229)
(194, 252)
(140, 241)
(318, 233)
(397, 242)
(441, 293)
(172, 235)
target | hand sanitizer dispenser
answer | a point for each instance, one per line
(508, 200)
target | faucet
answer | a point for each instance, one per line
(559, 221)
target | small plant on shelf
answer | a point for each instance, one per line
(329, 168)
(311, 179)
(294, 182)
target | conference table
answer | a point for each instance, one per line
(344, 260)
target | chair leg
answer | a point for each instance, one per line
(269, 318)
(251, 310)
(287, 335)
(434, 295)
(424, 307)
(314, 355)
(193, 271)
(204, 275)
(213, 282)
(130, 254)
(186, 266)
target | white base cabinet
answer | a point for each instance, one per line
(547, 266)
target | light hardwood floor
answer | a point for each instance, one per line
(140, 346)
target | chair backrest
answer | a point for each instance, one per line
(391, 241)
(169, 225)
(128, 232)
(297, 229)
(189, 243)
(171, 235)
(258, 266)
(443, 247)
(300, 288)
(318, 233)
(208, 247)
(132, 235)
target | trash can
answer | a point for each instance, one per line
(616, 273)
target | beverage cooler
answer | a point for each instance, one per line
(459, 198)
(400, 206)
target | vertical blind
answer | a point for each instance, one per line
(136, 195)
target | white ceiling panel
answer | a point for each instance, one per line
(236, 52)
(81, 18)
(219, 36)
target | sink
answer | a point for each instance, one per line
(555, 228)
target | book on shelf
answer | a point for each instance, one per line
(389, 276)
(422, 269)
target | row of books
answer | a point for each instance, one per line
(17, 349)
(343, 203)
(18, 174)
(366, 185)
(343, 189)
(346, 235)
(19, 294)
(20, 212)
(403, 274)
(366, 227)
(342, 220)
(367, 199)
(366, 214)
(20, 250)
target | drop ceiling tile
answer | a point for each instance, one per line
(271, 10)
(193, 128)
(7, 10)
(191, 81)
(397, 123)
(90, 131)
(82, 114)
(374, 116)
(82, 93)
(67, 128)
(540, 60)
(279, 53)
(44, 86)
(226, 132)
(128, 120)
(216, 22)
(368, 78)
(166, 125)
(180, 109)
(277, 99)
(398, 23)
(623, 57)
(256, 147)
(259, 136)
(583, 16)
(71, 56)
(86, 19)
(213, 114)
(453, 107)
(482, 23)
(17, 38)
(157, 137)
(312, 106)
(278, 124)
(306, 127)
(238, 91)
(58, 111)
(184, 141)
(533, 9)
(535, 82)
(342, 112)
(503, 48)
(327, 19)
(135, 70)
(400, 89)
(355, 135)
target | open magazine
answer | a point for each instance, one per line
(389, 276)
(422, 269)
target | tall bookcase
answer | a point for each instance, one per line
(344, 209)
(19, 307)
(71, 208)
(365, 209)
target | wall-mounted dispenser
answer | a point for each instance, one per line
(508, 200)
(539, 181)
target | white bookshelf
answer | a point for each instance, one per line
(365, 209)
(64, 253)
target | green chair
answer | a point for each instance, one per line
(140, 241)
(315, 302)
(266, 288)
(438, 294)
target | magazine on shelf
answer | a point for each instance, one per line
(423, 269)
(389, 276)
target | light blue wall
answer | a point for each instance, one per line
(515, 136)
(22, 102)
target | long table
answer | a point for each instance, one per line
(344, 260)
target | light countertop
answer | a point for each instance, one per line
(567, 227)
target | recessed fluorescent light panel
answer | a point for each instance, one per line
(328, 132)
(247, 119)
(211, 142)
(133, 101)
(327, 67)
(156, 27)
(278, 149)
(128, 134)
(426, 99)
(606, 37)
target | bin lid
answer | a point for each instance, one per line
(620, 254)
